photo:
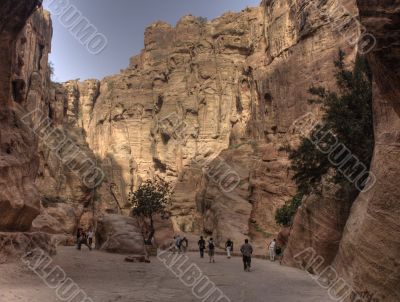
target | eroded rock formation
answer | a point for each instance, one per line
(218, 94)
(19, 199)
(368, 257)
(119, 234)
(23, 82)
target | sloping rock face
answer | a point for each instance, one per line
(48, 184)
(19, 199)
(318, 225)
(119, 234)
(23, 82)
(374, 226)
(17, 244)
(206, 94)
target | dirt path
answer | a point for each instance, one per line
(107, 278)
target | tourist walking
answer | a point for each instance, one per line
(211, 250)
(202, 246)
(184, 244)
(178, 243)
(78, 237)
(272, 251)
(83, 240)
(229, 248)
(247, 251)
(90, 236)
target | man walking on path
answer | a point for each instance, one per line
(90, 237)
(178, 243)
(184, 244)
(271, 248)
(247, 251)
(229, 248)
(211, 250)
(202, 246)
(78, 237)
(84, 240)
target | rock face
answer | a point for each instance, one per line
(205, 96)
(19, 199)
(319, 225)
(119, 234)
(209, 106)
(25, 32)
(17, 244)
(374, 226)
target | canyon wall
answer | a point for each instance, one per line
(363, 249)
(205, 98)
(374, 226)
(210, 106)
(25, 36)
(19, 198)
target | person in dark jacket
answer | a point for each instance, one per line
(247, 251)
(84, 240)
(78, 237)
(202, 246)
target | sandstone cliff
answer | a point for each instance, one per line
(374, 226)
(205, 96)
(19, 199)
(23, 85)
(202, 100)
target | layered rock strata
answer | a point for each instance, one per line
(222, 93)
(23, 85)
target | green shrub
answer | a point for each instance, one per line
(285, 215)
(348, 116)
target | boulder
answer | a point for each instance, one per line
(15, 245)
(119, 234)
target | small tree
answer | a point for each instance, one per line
(152, 197)
(284, 216)
(348, 115)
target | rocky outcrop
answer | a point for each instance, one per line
(19, 199)
(25, 31)
(119, 234)
(17, 244)
(205, 95)
(318, 225)
(373, 227)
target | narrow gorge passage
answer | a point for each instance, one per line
(150, 131)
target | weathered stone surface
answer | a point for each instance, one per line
(119, 234)
(230, 89)
(15, 245)
(19, 199)
(318, 225)
(369, 252)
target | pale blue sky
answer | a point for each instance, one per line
(123, 23)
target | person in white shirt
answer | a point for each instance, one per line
(271, 248)
(90, 237)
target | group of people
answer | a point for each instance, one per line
(210, 246)
(246, 250)
(85, 238)
(181, 244)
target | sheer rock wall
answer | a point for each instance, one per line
(205, 93)
(374, 226)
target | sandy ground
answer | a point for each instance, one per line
(107, 278)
